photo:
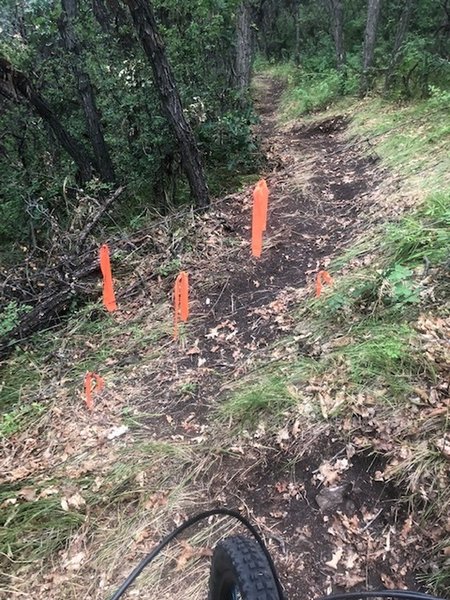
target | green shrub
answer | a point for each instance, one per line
(10, 316)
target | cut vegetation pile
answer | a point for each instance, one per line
(325, 420)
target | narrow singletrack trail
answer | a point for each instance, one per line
(327, 519)
(321, 196)
(158, 446)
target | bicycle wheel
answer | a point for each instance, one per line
(240, 571)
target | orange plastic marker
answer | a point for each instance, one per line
(257, 238)
(322, 277)
(259, 216)
(263, 192)
(181, 300)
(99, 385)
(109, 299)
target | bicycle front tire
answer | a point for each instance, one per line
(240, 571)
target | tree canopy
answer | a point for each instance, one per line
(82, 104)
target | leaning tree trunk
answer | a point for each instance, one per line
(147, 30)
(102, 15)
(337, 28)
(15, 86)
(370, 35)
(243, 60)
(85, 90)
(400, 35)
(297, 8)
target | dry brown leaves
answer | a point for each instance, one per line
(189, 553)
(363, 544)
(435, 337)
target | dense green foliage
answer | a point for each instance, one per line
(199, 37)
(422, 66)
(38, 179)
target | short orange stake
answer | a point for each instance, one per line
(322, 277)
(259, 216)
(89, 391)
(109, 300)
(180, 300)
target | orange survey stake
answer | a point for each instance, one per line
(109, 299)
(180, 300)
(259, 216)
(322, 277)
(89, 391)
(262, 191)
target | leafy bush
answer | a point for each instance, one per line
(10, 316)
(421, 68)
(310, 90)
(228, 141)
(316, 91)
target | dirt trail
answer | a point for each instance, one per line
(329, 522)
(321, 191)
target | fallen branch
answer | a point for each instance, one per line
(48, 288)
(103, 209)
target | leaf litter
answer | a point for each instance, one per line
(360, 538)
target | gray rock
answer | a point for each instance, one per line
(330, 498)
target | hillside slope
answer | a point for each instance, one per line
(304, 413)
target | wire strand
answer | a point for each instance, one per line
(189, 523)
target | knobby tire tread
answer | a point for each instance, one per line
(241, 559)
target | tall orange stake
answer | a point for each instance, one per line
(99, 385)
(259, 216)
(109, 300)
(180, 300)
(322, 277)
(263, 192)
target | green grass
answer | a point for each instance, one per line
(188, 389)
(20, 418)
(439, 580)
(83, 343)
(268, 393)
(382, 354)
(18, 375)
(422, 235)
(309, 90)
(33, 530)
(411, 138)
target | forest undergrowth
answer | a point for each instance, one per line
(323, 419)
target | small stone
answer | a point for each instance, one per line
(331, 497)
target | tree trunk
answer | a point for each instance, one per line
(14, 85)
(85, 90)
(400, 35)
(337, 28)
(147, 31)
(297, 56)
(370, 35)
(243, 60)
(101, 14)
